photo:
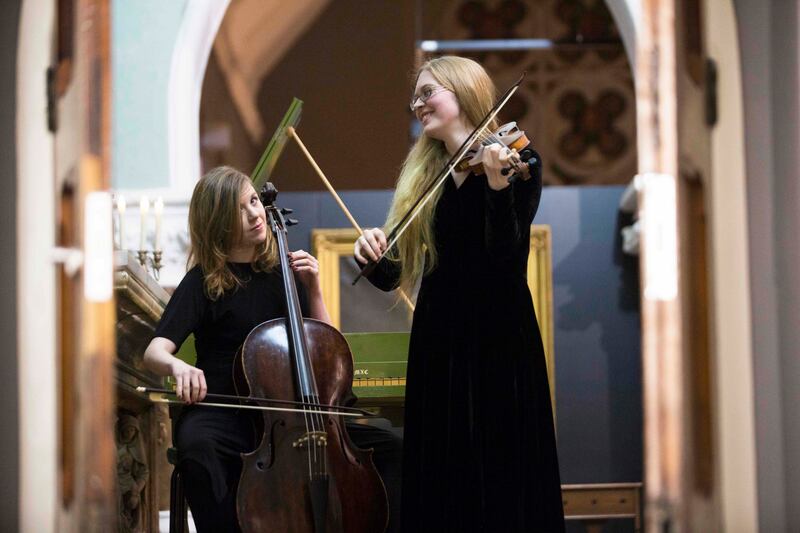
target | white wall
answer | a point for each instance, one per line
(732, 320)
(785, 111)
(159, 57)
(36, 288)
(627, 16)
(143, 37)
(769, 47)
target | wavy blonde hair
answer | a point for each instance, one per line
(215, 226)
(476, 94)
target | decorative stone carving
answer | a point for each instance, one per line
(132, 474)
(143, 432)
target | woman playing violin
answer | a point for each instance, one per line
(480, 451)
(232, 287)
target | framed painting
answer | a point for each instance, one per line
(363, 309)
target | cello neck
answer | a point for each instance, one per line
(296, 333)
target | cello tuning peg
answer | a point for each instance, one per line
(286, 211)
(292, 221)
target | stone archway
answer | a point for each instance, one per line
(201, 21)
(198, 31)
(196, 35)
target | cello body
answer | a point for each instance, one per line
(305, 476)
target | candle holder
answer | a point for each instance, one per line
(157, 263)
(151, 264)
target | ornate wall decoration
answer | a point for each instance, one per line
(577, 103)
(593, 123)
(589, 22)
(589, 132)
(485, 21)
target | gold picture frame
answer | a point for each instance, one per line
(329, 245)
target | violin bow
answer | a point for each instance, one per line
(268, 160)
(429, 192)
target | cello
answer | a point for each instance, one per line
(305, 476)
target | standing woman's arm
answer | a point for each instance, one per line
(510, 208)
(386, 275)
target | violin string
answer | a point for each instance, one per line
(487, 138)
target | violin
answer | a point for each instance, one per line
(306, 476)
(508, 135)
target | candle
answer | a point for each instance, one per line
(144, 207)
(121, 206)
(158, 209)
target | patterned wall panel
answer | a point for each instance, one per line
(577, 102)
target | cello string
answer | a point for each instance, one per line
(323, 463)
(283, 249)
(322, 455)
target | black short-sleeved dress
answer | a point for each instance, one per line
(480, 449)
(210, 439)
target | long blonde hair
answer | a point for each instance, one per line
(215, 226)
(475, 94)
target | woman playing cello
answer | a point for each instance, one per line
(232, 287)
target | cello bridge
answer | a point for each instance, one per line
(317, 438)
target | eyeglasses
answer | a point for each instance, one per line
(427, 93)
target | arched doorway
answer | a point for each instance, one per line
(629, 9)
(627, 14)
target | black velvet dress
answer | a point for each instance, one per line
(480, 449)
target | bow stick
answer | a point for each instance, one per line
(426, 196)
(159, 396)
(293, 134)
